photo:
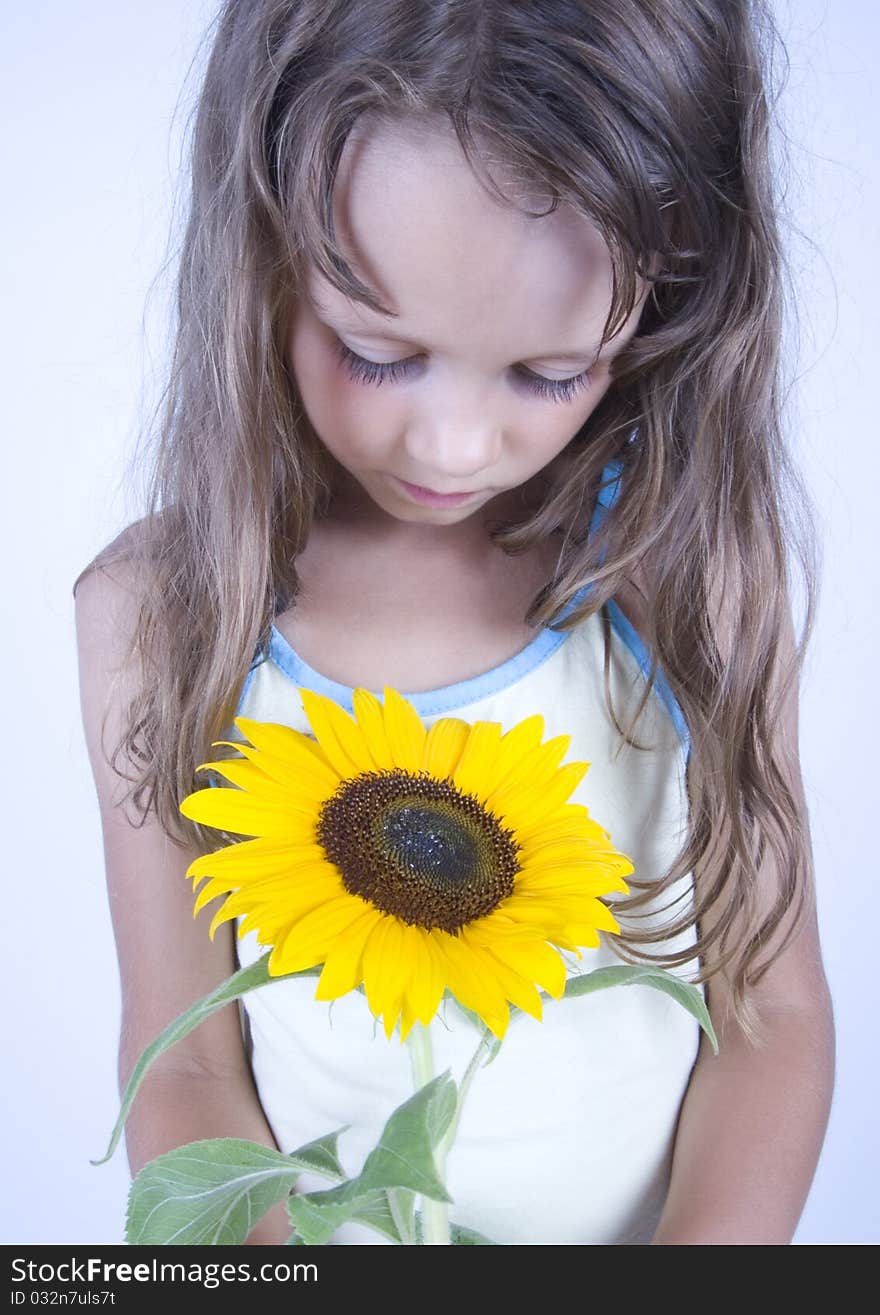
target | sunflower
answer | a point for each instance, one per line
(409, 861)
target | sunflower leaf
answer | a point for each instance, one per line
(459, 1236)
(404, 1156)
(319, 1156)
(316, 1215)
(246, 979)
(402, 1205)
(402, 1163)
(211, 1193)
(687, 995)
(441, 1111)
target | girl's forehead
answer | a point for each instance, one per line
(423, 230)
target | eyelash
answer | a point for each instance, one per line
(372, 372)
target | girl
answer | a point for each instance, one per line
(476, 395)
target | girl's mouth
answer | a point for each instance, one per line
(432, 499)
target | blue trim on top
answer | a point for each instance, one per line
(425, 702)
(249, 680)
(450, 697)
(608, 493)
(637, 647)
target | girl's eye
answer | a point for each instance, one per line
(373, 372)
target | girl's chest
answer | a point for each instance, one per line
(415, 624)
(372, 618)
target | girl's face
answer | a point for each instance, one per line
(491, 366)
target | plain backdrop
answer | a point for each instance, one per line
(93, 110)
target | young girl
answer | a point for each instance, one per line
(476, 395)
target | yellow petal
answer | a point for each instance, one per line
(536, 961)
(370, 718)
(525, 805)
(520, 740)
(583, 881)
(444, 746)
(585, 937)
(518, 991)
(406, 734)
(547, 910)
(570, 819)
(564, 850)
(250, 776)
(537, 766)
(310, 940)
(408, 1017)
(343, 968)
(479, 753)
(487, 931)
(289, 745)
(471, 983)
(388, 967)
(209, 892)
(599, 915)
(429, 977)
(252, 860)
(297, 770)
(278, 904)
(341, 738)
(239, 812)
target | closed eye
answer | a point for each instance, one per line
(373, 372)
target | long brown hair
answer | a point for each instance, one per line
(654, 120)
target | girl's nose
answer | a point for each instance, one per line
(447, 450)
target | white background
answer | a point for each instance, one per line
(92, 115)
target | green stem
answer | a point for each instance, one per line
(435, 1214)
(477, 1060)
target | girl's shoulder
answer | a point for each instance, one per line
(120, 560)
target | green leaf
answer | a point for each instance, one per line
(402, 1205)
(440, 1112)
(377, 1213)
(687, 995)
(317, 1215)
(404, 1156)
(213, 1192)
(459, 1236)
(320, 1156)
(246, 979)
(400, 1165)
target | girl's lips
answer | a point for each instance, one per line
(432, 499)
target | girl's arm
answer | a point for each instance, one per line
(202, 1087)
(753, 1118)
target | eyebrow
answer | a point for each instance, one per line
(594, 354)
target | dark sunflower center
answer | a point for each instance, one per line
(418, 848)
(431, 843)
